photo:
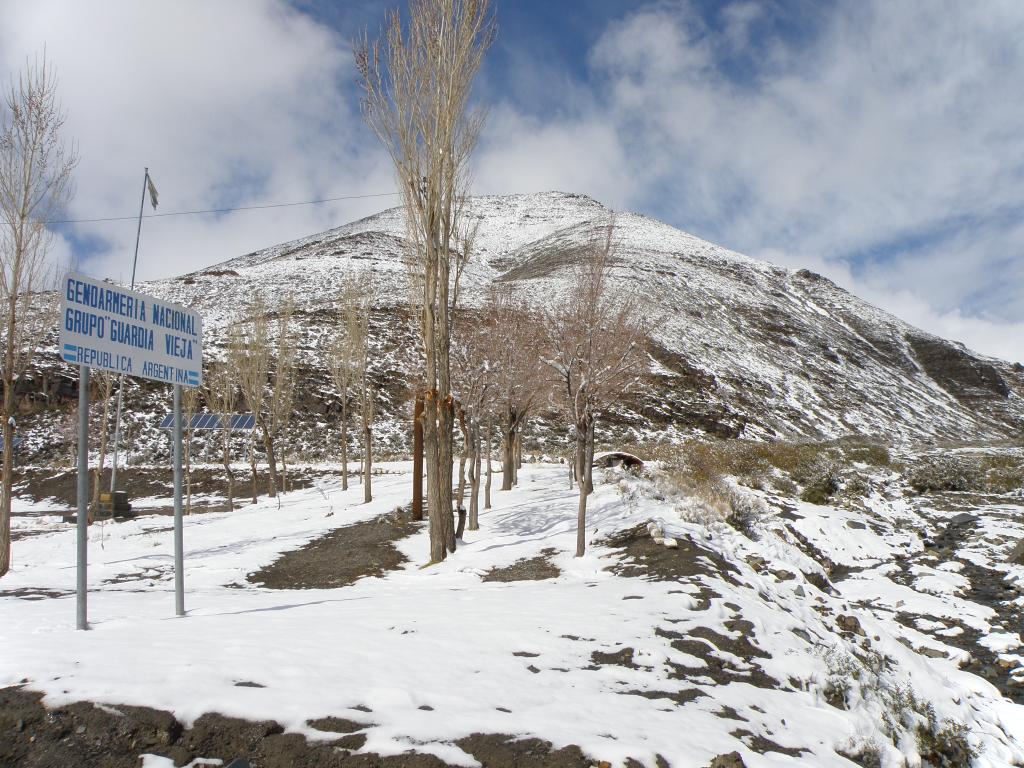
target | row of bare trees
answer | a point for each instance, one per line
(416, 84)
(574, 358)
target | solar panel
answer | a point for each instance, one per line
(242, 422)
(239, 422)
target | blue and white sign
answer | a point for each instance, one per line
(110, 328)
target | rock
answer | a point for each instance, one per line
(963, 519)
(1017, 555)
(932, 653)
(784, 575)
(671, 543)
(658, 540)
(731, 760)
(856, 525)
(849, 623)
(799, 591)
(757, 562)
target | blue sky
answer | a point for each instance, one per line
(879, 143)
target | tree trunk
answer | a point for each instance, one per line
(284, 465)
(474, 477)
(187, 439)
(508, 468)
(447, 456)
(367, 462)
(438, 511)
(268, 446)
(98, 473)
(417, 458)
(344, 442)
(582, 430)
(572, 466)
(8, 417)
(461, 528)
(226, 457)
(589, 461)
(252, 465)
(487, 485)
(460, 494)
(519, 450)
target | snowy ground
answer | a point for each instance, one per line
(740, 652)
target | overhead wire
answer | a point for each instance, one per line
(220, 210)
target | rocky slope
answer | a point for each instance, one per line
(740, 347)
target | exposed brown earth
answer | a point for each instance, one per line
(340, 558)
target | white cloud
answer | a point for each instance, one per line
(886, 151)
(525, 154)
(238, 102)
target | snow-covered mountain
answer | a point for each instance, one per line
(741, 347)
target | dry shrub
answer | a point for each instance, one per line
(866, 452)
(1003, 473)
(718, 503)
(815, 466)
(1004, 480)
(821, 484)
(937, 474)
(857, 487)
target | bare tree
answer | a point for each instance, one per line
(519, 379)
(473, 356)
(367, 409)
(105, 380)
(595, 349)
(219, 392)
(189, 406)
(35, 184)
(350, 370)
(249, 353)
(416, 88)
(342, 364)
(282, 397)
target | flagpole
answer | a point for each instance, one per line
(120, 386)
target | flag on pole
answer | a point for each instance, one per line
(152, 190)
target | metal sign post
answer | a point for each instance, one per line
(110, 328)
(81, 593)
(179, 555)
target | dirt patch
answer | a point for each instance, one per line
(762, 744)
(642, 557)
(502, 751)
(84, 735)
(340, 558)
(719, 668)
(528, 569)
(60, 486)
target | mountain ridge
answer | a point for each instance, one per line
(741, 347)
